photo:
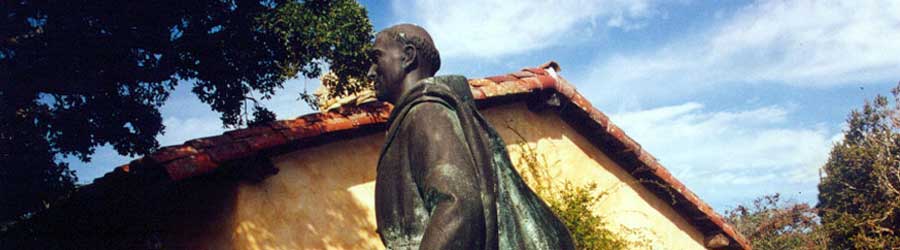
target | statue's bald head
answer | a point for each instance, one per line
(402, 56)
(412, 34)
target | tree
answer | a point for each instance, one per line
(81, 74)
(859, 199)
(772, 223)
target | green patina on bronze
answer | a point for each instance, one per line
(444, 178)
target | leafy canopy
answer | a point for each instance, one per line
(859, 196)
(80, 74)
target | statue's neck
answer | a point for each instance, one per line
(411, 80)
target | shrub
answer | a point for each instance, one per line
(773, 223)
(575, 204)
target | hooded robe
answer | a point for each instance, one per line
(445, 180)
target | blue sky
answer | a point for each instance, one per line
(736, 98)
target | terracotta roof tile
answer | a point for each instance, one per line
(267, 140)
(200, 156)
(207, 142)
(224, 152)
(170, 153)
(249, 132)
(193, 165)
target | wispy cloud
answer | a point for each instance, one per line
(502, 27)
(798, 43)
(718, 153)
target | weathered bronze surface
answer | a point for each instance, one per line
(445, 180)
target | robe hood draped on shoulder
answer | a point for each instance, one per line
(445, 179)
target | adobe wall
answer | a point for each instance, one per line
(573, 158)
(323, 196)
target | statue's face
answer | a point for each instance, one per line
(387, 68)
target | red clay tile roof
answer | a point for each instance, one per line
(201, 156)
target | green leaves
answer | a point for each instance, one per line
(88, 73)
(575, 204)
(336, 33)
(859, 201)
(575, 207)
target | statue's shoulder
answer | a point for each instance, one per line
(434, 99)
(449, 90)
(429, 121)
(456, 85)
(431, 111)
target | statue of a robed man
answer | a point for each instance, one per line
(445, 180)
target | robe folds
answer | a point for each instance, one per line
(445, 180)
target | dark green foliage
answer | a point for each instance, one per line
(80, 74)
(30, 178)
(261, 116)
(341, 36)
(770, 223)
(859, 199)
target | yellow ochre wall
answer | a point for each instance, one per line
(323, 197)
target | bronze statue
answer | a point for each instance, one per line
(445, 180)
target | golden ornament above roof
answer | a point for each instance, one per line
(328, 100)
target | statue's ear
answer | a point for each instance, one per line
(410, 61)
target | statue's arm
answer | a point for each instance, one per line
(444, 171)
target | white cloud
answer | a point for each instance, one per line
(502, 27)
(723, 153)
(800, 43)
